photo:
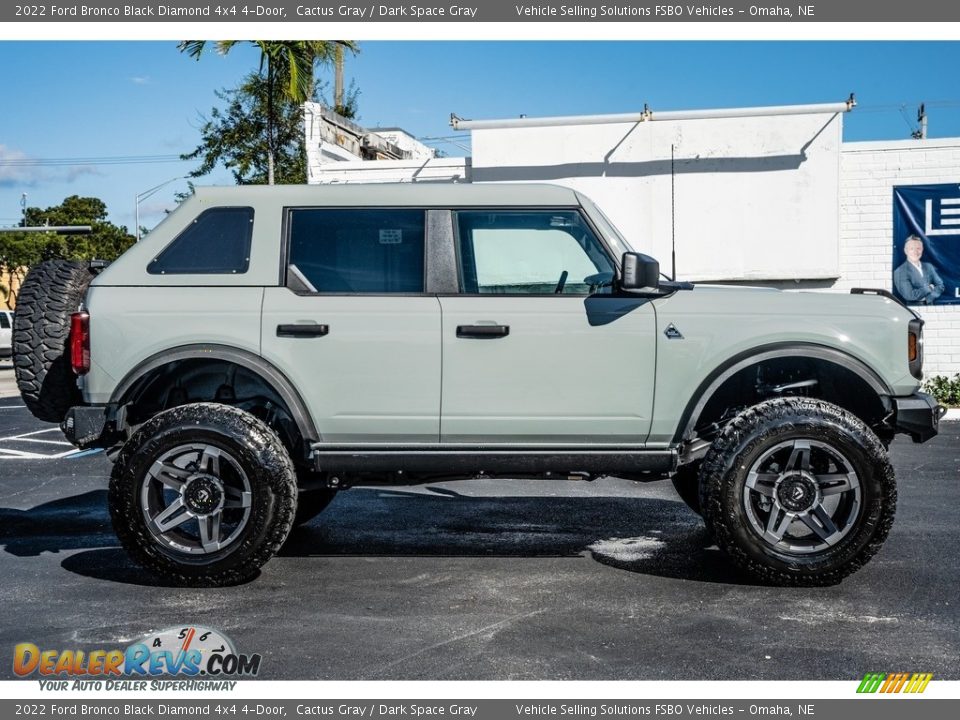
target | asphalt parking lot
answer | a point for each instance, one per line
(487, 580)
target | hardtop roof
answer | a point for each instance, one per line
(423, 194)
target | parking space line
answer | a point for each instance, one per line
(8, 454)
(36, 440)
(12, 453)
(30, 434)
(18, 453)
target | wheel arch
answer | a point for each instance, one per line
(269, 374)
(754, 357)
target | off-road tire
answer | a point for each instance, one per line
(311, 503)
(686, 482)
(52, 291)
(755, 431)
(259, 452)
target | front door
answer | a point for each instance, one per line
(535, 348)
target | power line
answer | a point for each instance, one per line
(95, 160)
(898, 106)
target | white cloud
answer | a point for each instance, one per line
(140, 80)
(17, 169)
(76, 171)
(13, 171)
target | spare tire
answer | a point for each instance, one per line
(52, 292)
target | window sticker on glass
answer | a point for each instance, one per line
(391, 237)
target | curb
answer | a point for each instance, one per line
(952, 414)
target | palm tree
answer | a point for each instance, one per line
(287, 62)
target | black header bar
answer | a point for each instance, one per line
(468, 11)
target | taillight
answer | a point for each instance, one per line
(80, 342)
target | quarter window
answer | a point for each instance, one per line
(541, 252)
(356, 251)
(217, 242)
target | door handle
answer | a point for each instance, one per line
(302, 330)
(482, 331)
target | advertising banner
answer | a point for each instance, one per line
(926, 244)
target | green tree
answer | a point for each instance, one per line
(20, 251)
(288, 66)
(236, 136)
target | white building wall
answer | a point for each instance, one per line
(406, 142)
(868, 173)
(857, 244)
(755, 197)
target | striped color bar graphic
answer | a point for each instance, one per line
(894, 682)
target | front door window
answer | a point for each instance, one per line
(541, 252)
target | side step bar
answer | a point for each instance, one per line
(473, 459)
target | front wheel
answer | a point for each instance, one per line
(203, 494)
(798, 492)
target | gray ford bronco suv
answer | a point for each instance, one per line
(267, 347)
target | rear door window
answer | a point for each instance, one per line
(356, 251)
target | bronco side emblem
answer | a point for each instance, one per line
(672, 333)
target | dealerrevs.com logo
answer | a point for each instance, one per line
(910, 683)
(183, 651)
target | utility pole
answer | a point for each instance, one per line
(23, 208)
(921, 134)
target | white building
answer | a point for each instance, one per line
(775, 200)
(332, 138)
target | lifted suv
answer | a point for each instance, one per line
(266, 347)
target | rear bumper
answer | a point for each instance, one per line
(92, 426)
(917, 415)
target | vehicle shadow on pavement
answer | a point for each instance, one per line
(80, 522)
(640, 535)
(68, 523)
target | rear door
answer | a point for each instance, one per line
(535, 347)
(353, 329)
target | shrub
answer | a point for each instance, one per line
(945, 390)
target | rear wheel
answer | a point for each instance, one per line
(203, 494)
(798, 492)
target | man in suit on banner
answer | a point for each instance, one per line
(917, 282)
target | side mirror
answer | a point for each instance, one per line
(641, 273)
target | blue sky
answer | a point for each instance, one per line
(75, 100)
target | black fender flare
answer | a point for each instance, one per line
(738, 362)
(244, 358)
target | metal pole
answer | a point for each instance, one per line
(60, 229)
(650, 116)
